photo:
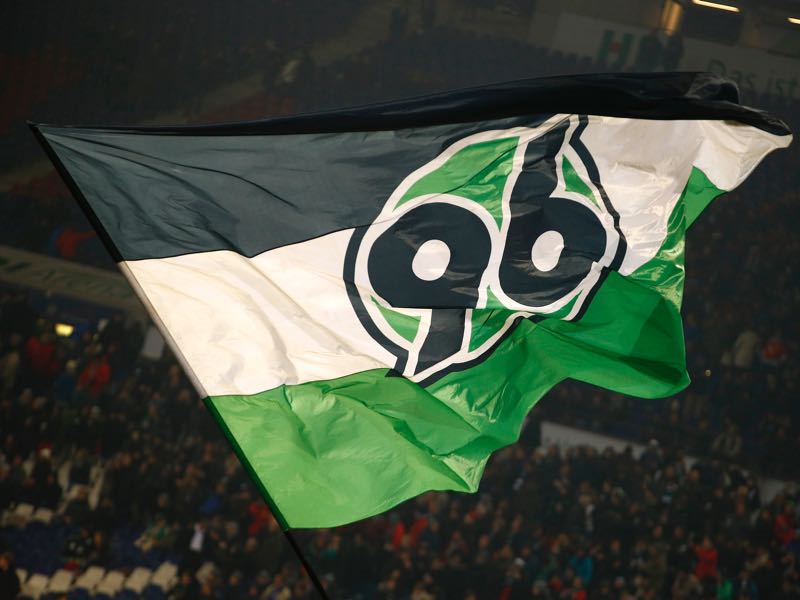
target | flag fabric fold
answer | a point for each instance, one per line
(372, 300)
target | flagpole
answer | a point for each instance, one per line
(279, 518)
(312, 575)
(265, 495)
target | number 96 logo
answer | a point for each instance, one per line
(503, 225)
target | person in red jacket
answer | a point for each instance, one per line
(707, 558)
(69, 240)
(40, 352)
(40, 358)
(783, 527)
(259, 517)
(95, 376)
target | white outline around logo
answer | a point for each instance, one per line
(489, 279)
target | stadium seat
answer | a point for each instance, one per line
(73, 490)
(205, 572)
(35, 586)
(60, 582)
(43, 515)
(165, 576)
(22, 514)
(62, 475)
(111, 583)
(96, 472)
(94, 492)
(90, 578)
(138, 579)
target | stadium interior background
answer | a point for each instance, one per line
(115, 482)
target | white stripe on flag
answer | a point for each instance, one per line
(246, 325)
(644, 166)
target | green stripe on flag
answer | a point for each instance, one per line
(310, 443)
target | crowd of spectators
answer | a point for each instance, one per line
(547, 524)
(576, 523)
(73, 63)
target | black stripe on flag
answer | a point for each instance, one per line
(154, 192)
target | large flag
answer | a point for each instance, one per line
(372, 300)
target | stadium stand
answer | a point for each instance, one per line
(118, 485)
(191, 524)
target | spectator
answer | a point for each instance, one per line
(728, 444)
(784, 527)
(9, 580)
(96, 374)
(744, 588)
(745, 349)
(40, 352)
(707, 557)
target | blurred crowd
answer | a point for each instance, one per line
(137, 472)
(72, 63)
(578, 523)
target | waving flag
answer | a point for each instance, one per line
(372, 300)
